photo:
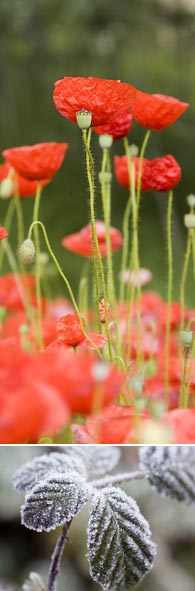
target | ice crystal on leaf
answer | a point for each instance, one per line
(42, 467)
(119, 541)
(54, 502)
(97, 460)
(170, 470)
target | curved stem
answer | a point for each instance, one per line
(56, 557)
(169, 293)
(184, 277)
(7, 225)
(37, 266)
(141, 157)
(183, 399)
(124, 259)
(117, 479)
(64, 279)
(95, 243)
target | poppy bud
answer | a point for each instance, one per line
(189, 220)
(186, 337)
(191, 200)
(84, 119)
(26, 252)
(105, 141)
(6, 188)
(105, 177)
(133, 150)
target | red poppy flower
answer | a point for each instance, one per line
(36, 163)
(116, 424)
(29, 406)
(81, 242)
(157, 111)
(10, 296)
(83, 381)
(118, 128)
(162, 174)
(19, 185)
(3, 233)
(105, 99)
(182, 423)
(122, 172)
(70, 333)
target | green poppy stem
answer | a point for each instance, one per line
(169, 293)
(37, 266)
(184, 277)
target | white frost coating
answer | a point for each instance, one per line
(98, 459)
(41, 467)
(121, 552)
(170, 470)
(53, 502)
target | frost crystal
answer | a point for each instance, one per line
(98, 459)
(170, 470)
(54, 502)
(40, 468)
(119, 541)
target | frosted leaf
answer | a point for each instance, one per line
(42, 467)
(98, 459)
(170, 470)
(54, 502)
(121, 552)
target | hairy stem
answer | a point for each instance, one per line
(7, 225)
(37, 266)
(56, 558)
(95, 243)
(64, 279)
(184, 277)
(183, 399)
(169, 293)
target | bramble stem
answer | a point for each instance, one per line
(37, 266)
(117, 479)
(56, 557)
(169, 293)
(95, 243)
(64, 279)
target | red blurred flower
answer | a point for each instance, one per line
(118, 128)
(105, 99)
(157, 111)
(116, 424)
(20, 185)
(182, 422)
(4, 170)
(29, 406)
(122, 172)
(162, 174)
(84, 382)
(81, 242)
(38, 162)
(10, 296)
(3, 233)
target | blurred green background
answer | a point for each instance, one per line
(149, 43)
(22, 550)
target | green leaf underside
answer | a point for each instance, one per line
(171, 471)
(119, 540)
(54, 502)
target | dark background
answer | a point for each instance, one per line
(149, 43)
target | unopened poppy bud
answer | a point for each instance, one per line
(191, 200)
(6, 188)
(133, 150)
(189, 220)
(105, 141)
(105, 177)
(84, 119)
(102, 310)
(26, 252)
(100, 371)
(186, 337)
(137, 382)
